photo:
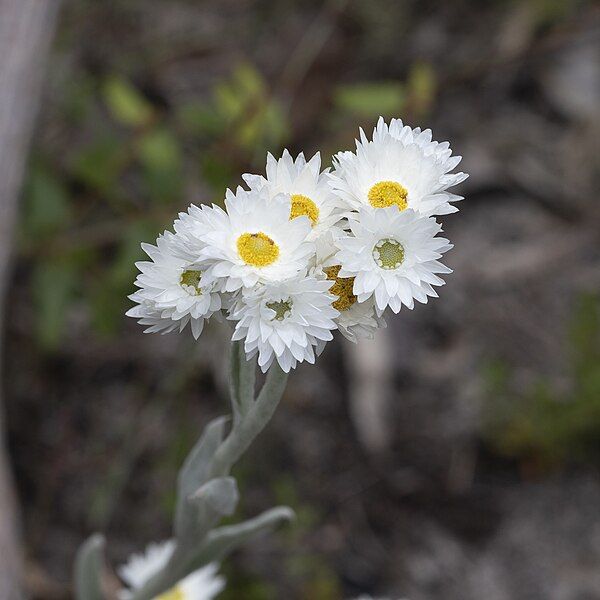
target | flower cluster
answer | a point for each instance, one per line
(301, 252)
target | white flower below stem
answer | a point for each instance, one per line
(203, 584)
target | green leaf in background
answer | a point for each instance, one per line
(585, 338)
(371, 99)
(126, 104)
(46, 205)
(230, 104)
(53, 285)
(255, 118)
(108, 291)
(100, 164)
(217, 172)
(547, 12)
(162, 160)
(544, 424)
(159, 149)
(422, 88)
(263, 129)
(249, 80)
(197, 119)
(244, 89)
(79, 95)
(241, 584)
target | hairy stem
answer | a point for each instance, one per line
(251, 424)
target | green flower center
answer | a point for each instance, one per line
(282, 308)
(190, 282)
(388, 254)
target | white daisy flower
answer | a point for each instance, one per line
(393, 257)
(400, 166)
(254, 241)
(203, 584)
(307, 186)
(356, 320)
(285, 321)
(172, 290)
(189, 227)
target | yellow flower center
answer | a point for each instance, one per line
(257, 249)
(342, 288)
(190, 282)
(173, 594)
(388, 193)
(282, 309)
(388, 254)
(303, 206)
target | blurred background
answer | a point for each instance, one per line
(455, 458)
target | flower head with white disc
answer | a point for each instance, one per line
(172, 290)
(285, 322)
(394, 257)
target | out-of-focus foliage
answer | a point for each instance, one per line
(368, 100)
(371, 99)
(125, 103)
(312, 575)
(547, 426)
(86, 212)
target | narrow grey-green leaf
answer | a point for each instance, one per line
(223, 540)
(204, 509)
(196, 470)
(196, 466)
(88, 569)
(220, 495)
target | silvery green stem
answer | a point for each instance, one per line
(253, 414)
(205, 491)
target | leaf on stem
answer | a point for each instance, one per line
(204, 509)
(219, 495)
(88, 569)
(196, 469)
(221, 541)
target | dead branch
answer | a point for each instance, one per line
(26, 28)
